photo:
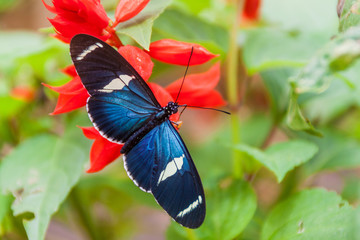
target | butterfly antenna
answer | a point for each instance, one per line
(187, 67)
(214, 109)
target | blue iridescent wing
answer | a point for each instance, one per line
(161, 164)
(120, 101)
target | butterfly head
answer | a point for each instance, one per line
(171, 108)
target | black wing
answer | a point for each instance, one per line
(161, 164)
(120, 101)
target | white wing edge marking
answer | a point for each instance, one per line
(88, 50)
(113, 140)
(191, 207)
(171, 168)
(131, 177)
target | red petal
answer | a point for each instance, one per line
(93, 12)
(251, 11)
(198, 89)
(161, 94)
(210, 98)
(74, 17)
(139, 59)
(70, 71)
(127, 9)
(70, 102)
(72, 96)
(48, 7)
(67, 29)
(90, 132)
(90, 11)
(72, 87)
(176, 52)
(196, 82)
(102, 152)
(163, 98)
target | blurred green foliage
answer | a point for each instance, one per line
(301, 59)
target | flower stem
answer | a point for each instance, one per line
(190, 234)
(233, 87)
(84, 215)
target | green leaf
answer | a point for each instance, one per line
(336, 151)
(7, 4)
(122, 185)
(278, 87)
(337, 55)
(311, 215)
(290, 39)
(295, 119)
(177, 25)
(40, 173)
(254, 131)
(304, 15)
(229, 210)
(5, 202)
(17, 47)
(338, 99)
(350, 15)
(194, 7)
(266, 48)
(351, 191)
(139, 27)
(282, 157)
(10, 106)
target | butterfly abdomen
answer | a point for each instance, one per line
(155, 120)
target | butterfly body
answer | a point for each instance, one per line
(124, 110)
(155, 120)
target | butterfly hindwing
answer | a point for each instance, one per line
(161, 164)
(120, 101)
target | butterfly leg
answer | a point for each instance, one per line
(177, 124)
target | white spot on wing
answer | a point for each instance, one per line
(191, 207)
(117, 83)
(171, 168)
(88, 50)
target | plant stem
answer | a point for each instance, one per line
(232, 87)
(84, 215)
(190, 234)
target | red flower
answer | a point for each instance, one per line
(176, 52)
(127, 9)
(78, 16)
(102, 152)
(251, 11)
(198, 89)
(23, 93)
(137, 58)
(72, 96)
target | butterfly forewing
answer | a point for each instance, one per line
(120, 101)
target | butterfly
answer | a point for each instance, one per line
(124, 110)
